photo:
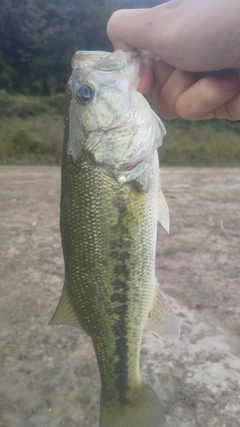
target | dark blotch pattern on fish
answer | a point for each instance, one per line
(120, 297)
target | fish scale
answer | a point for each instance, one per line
(108, 224)
(107, 264)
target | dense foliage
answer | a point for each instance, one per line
(39, 37)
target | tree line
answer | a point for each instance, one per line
(39, 37)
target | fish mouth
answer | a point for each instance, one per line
(108, 61)
(82, 58)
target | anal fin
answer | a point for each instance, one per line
(161, 319)
(65, 314)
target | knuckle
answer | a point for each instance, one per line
(233, 106)
(185, 111)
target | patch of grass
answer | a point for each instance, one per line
(24, 106)
(208, 143)
(35, 141)
(31, 129)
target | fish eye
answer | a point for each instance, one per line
(84, 94)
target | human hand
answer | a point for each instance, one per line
(198, 43)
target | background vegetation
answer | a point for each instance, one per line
(37, 41)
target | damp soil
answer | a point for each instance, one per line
(49, 375)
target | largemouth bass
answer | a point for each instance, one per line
(110, 203)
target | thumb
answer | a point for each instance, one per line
(134, 28)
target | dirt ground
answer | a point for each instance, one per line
(49, 375)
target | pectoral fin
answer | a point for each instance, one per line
(161, 319)
(65, 314)
(163, 211)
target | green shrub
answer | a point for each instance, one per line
(19, 105)
(58, 102)
(30, 143)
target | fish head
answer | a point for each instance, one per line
(100, 85)
(108, 117)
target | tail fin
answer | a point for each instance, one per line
(144, 410)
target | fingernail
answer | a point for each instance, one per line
(146, 64)
(157, 59)
(231, 81)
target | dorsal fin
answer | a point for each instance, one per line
(65, 314)
(161, 319)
